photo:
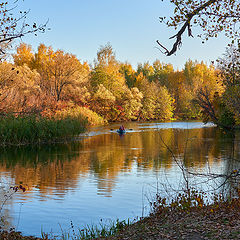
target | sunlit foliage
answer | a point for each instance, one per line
(50, 81)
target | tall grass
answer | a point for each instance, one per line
(32, 129)
(102, 230)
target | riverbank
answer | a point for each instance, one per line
(204, 223)
(217, 221)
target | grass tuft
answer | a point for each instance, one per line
(102, 230)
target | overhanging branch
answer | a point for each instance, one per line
(185, 26)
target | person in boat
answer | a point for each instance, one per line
(122, 128)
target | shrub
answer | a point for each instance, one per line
(81, 113)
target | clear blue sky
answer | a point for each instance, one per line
(131, 26)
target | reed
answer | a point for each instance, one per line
(33, 129)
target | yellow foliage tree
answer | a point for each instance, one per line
(19, 88)
(24, 55)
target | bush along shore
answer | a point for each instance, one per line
(189, 216)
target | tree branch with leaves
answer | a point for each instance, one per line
(13, 26)
(212, 16)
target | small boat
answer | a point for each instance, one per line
(121, 131)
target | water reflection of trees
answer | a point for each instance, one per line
(48, 168)
(231, 181)
(58, 169)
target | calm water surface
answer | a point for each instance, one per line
(106, 176)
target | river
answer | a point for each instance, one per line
(102, 175)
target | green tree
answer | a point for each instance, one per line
(129, 74)
(146, 69)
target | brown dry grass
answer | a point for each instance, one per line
(198, 223)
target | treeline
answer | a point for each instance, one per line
(56, 83)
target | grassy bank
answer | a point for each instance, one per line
(33, 129)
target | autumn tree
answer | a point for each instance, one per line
(229, 66)
(131, 102)
(164, 108)
(63, 70)
(104, 100)
(209, 91)
(19, 88)
(107, 70)
(150, 94)
(27, 91)
(129, 74)
(78, 91)
(161, 72)
(62, 76)
(212, 16)
(24, 55)
(39, 60)
(146, 69)
(157, 102)
(61, 73)
(7, 76)
(179, 91)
